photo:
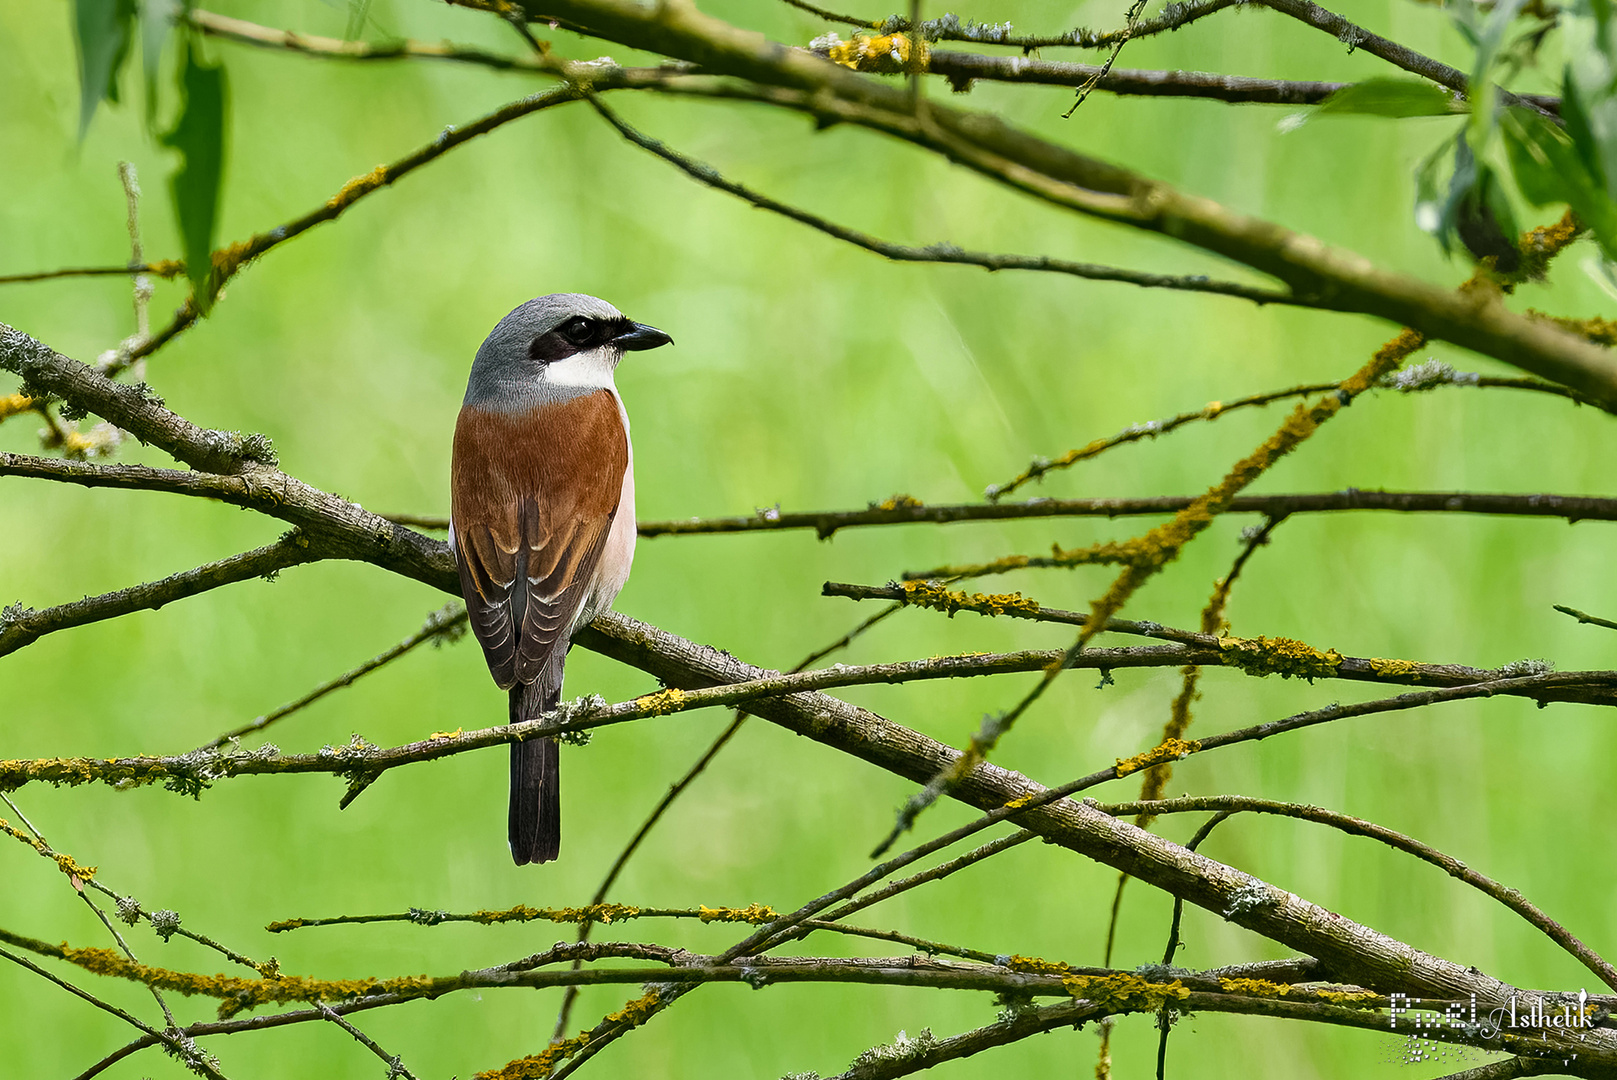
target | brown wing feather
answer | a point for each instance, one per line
(533, 496)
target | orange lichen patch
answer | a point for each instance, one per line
(1281, 656)
(929, 594)
(1170, 750)
(756, 914)
(63, 860)
(898, 502)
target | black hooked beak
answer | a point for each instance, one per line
(641, 336)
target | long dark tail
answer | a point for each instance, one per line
(535, 814)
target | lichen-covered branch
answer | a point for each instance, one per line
(1317, 273)
(360, 762)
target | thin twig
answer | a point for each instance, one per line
(45, 850)
(361, 762)
(167, 268)
(1145, 556)
(19, 628)
(678, 788)
(178, 1042)
(1423, 378)
(1511, 898)
(442, 625)
(395, 1065)
(1584, 617)
(827, 523)
(938, 253)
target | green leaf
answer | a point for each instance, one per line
(1590, 105)
(1576, 119)
(1484, 94)
(1549, 169)
(157, 19)
(1391, 97)
(199, 136)
(104, 30)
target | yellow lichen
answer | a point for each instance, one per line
(358, 186)
(64, 861)
(662, 702)
(1352, 998)
(1595, 329)
(1256, 987)
(1393, 668)
(898, 502)
(236, 994)
(540, 1065)
(1265, 988)
(1021, 801)
(12, 404)
(756, 914)
(1121, 989)
(886, 53)
(1032, 965)
(445, 734)
(1281, 656)
(929, 594)
(1170, 750)
(227, 260)
(1124, 991)
(600, 913)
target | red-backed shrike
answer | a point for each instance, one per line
(542, 515)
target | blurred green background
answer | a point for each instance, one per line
(816, 376)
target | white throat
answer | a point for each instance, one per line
(589, 370)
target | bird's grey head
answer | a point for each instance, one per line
(554, 348)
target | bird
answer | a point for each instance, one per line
(541, 519)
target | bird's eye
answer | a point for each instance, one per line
(578, 330)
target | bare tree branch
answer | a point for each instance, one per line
(940, 253)
(21, 627)
(1507, 896)
(445, 624)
